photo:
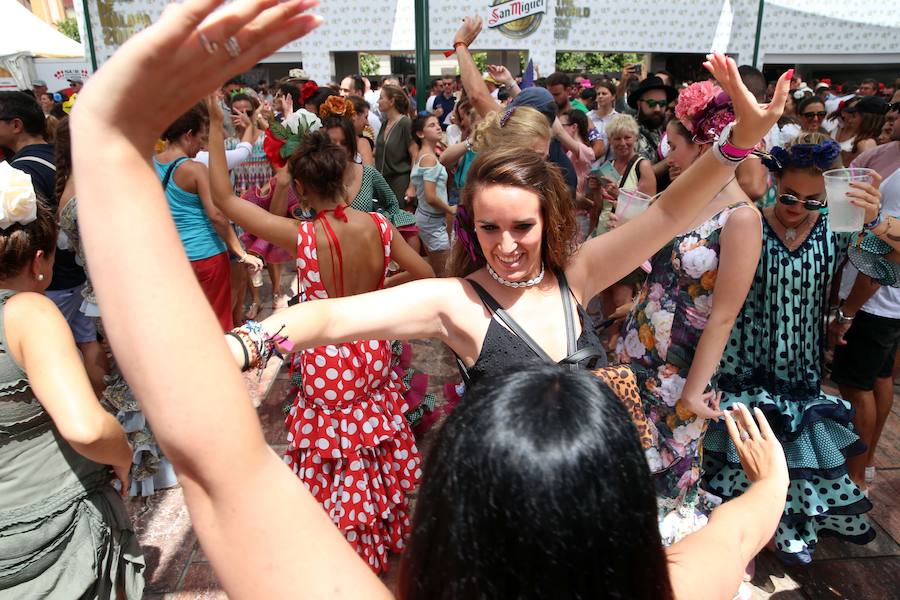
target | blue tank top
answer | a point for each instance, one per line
(196, 231)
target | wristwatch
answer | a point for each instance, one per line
(842, 318)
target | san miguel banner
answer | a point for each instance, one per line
(516, 18)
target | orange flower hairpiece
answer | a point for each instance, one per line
(336, 106)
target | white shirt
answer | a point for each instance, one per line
(885, 302)
(234, 157)
(374, 123)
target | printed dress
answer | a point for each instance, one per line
(348, 440)
(659, 339)
(773, 361)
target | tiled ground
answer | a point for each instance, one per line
(178, 569)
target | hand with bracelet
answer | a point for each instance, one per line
(467, 32)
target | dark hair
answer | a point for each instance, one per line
(589, 94)
(681, 130)
(194, 120)
(537, 487)
(254, 103)
(62, 148)
(25, 107)
(606, 83)
(872, 82)
(396, 95)
(19, 243)
(580, 120)
(358, 84)
(418, 127)
(527, 170)
(289, 89)
(807, 101)
(319, 97)
(754, 80)
(558, 78)
(346, 125)
(359, 104)
(319, 163)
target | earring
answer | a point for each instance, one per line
(40, 276)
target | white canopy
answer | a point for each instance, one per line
(21, 32)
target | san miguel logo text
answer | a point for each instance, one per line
(516, 18)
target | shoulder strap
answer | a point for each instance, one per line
(628, 168)
(170, 170)
(571, 342)
(509, 322)
(38, 160)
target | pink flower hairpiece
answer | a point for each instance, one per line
(704, 109)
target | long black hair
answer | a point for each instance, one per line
(537, 487)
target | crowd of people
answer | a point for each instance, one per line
(644, 283)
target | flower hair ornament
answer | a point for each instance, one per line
(464, 229)
(821, 156)
(282, 139)
(705, 110)
(18, 202)
(336, 106)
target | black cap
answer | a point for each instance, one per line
(651, 83)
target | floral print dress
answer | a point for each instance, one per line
(659, 339)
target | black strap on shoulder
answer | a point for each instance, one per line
(170, 170)
(571, 340)
(508, 321)
(628, 168)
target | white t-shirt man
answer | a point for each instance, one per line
(886, 301)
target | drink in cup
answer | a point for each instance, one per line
(256, 277)
(630, 204)
(843, 216)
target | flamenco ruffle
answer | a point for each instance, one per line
(150, 470)
(817, 436)
(360, 462)
(420, 405)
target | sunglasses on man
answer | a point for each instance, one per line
(894, 107)
(655, 103)
(814, 115)
(791, 200)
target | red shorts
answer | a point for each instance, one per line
(214, 274)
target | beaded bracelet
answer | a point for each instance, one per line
(874, 222)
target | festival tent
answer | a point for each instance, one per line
(24, 36)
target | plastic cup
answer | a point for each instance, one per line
(256, 278)
(630, 204)
(843, 216)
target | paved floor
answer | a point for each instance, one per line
(178, 569)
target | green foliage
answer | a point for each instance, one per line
(368, 64)
(69, 28)
(595, 62)
(480, 59)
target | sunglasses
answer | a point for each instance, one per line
(815, 115)
(791, 200)
(655, 103)
(895, 106)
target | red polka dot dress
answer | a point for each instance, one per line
(348, 440)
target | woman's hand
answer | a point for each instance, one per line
(215, 110)
(123, 476)
(252, 262)
(759, 450)
(468, 31)
(282, 177)
(182, 57)
(867, 195)
(240, 120)
(705, 406)
(500, 74)
(753, 120)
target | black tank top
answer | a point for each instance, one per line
(505, 348)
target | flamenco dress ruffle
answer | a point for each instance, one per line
(818, 436)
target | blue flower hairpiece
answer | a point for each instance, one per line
(820, 156)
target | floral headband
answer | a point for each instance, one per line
(18, 202)
(820, 156)
(336, 106)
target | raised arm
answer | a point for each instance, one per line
(709, 564)
(602, 261)
(264, 534)
(279, 230)
(476, 88)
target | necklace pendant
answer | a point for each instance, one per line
(790, 234)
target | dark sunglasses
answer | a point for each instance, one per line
(817, 115)
(655, 103)
(895, 106)
(791, 200)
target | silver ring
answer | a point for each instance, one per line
(209, 46)
(232, 47)
(744, 435)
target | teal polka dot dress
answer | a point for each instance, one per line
(773, 361)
